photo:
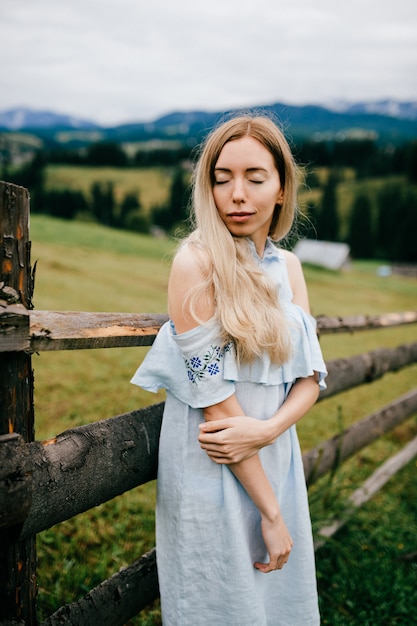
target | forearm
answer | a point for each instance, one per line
(249, 472)
(302, 396)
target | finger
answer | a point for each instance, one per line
(264, 567)
(211, 437)
(209, 446)
(272, 566)
(218, 447)
(206, 438)
(218, 458)
(210, 427)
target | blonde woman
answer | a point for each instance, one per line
(241, 364)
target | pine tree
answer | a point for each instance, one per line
(361, 238)
(174, 213)
(328, 222)
(103, 203)
(404, 242)
(388, 199)
(132, 216)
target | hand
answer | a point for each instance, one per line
(278, 542)
(233, 439)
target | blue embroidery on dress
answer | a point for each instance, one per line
(200, 367)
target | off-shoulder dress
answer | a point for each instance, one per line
(207, 528)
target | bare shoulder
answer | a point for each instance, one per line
(297, 280)
(189, 274)
(190, 265)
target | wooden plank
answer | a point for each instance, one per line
(91, 464)
(350, 324)
(71, 330)
(365, 368)
(369, 488)
(74, 330)
(116, 600)
(329, 454)
(17, 557)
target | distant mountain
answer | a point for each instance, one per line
(386, 120)
(391, 108)
(22, 118)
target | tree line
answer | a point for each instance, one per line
(100, 203)
(381, 226)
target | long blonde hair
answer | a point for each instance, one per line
(246, 300)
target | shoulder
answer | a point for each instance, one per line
(191, 264)
(190, 297)
(297, 280)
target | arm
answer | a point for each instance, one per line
(188, 271)
(240, 437)
(252, 477)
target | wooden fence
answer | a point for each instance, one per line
(45, 482)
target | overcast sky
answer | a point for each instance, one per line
(113, 61)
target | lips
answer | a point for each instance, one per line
(239, 217)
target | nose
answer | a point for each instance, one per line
(238, 192)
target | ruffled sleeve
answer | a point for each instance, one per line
(189, 365)
(307, 357)
(305, 361)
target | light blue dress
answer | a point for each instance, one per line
(207, 528)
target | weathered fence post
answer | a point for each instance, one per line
(17, 557)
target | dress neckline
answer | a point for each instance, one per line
(270, 250)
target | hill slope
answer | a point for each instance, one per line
(388, 120)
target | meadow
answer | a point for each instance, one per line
(367, 572)
(151, 183)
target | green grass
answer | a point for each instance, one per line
(362, 573)
(367, 573)
(152, 183)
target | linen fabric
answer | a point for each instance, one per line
(207, 528)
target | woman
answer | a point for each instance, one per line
(241, 364)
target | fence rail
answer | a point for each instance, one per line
(45, 482)
(39, 331)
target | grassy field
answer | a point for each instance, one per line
(152, 183)
(364, 574)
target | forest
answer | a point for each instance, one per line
(353, 189)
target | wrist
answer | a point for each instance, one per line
(271, 516)
(272, 430)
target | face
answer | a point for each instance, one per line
(246, 189)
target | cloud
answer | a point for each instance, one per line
(117, 61)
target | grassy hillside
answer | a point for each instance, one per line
(152, 183)
(92, 268)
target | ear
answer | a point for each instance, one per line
(280, 197)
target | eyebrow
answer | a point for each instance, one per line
(249, 169)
